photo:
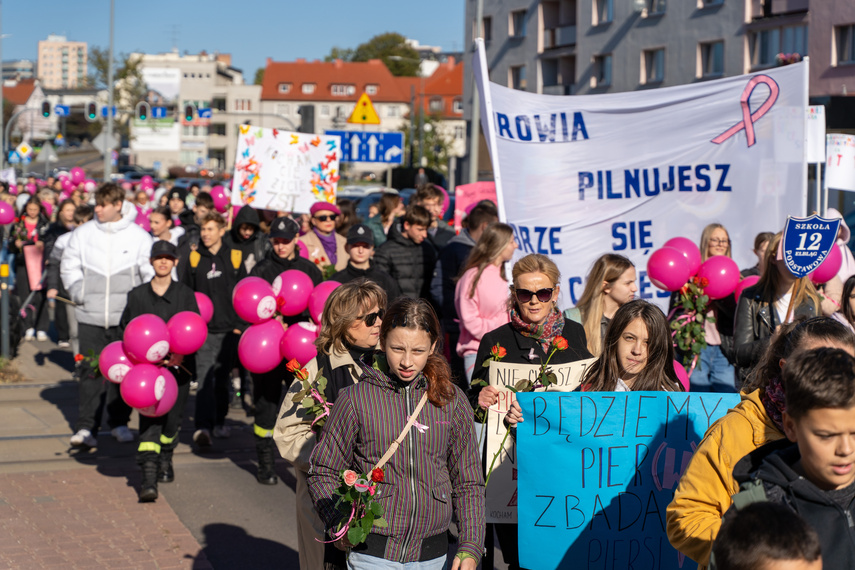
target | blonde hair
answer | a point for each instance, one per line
(606, 269)
(490, 246)
(344, 305)
(706, 235)
(536, 263)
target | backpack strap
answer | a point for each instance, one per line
(237, 258)
(395, 444)
(195, 258)
(750, 492)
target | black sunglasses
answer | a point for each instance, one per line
(371, 318)
(332, 217)
(543, 295)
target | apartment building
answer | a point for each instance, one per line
(62, 64)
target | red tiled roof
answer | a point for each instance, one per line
(324, 75)
(446, 83)
(19, 93)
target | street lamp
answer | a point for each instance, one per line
(421, 107)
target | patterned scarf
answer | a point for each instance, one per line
(773, 401)
(330, 246)
(544, 332)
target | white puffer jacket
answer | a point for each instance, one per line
(102, 263)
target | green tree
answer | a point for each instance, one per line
(436, 148)
(344, 54)
(398, 56)
(259, 76)
(129, 88)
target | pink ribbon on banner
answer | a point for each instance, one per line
(749, 118)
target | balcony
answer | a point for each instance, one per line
(559, 37)
(557, 89)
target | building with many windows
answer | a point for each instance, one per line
(62, 64)
(18, 69)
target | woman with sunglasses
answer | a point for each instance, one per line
(535, 322)
(480, 296)
(350, 329)
(324, 245)
(267, 386)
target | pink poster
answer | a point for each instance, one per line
(467, 196)
(33, 258)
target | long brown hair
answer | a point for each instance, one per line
(606, 269)
(343, 306)
(845, 305)
(387, 205)
(417, 314)
(658, 373)
(803, 289)
(490, 246)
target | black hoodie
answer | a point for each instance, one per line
(834, 524)
(216, 277)
(351, 273)
(409, 263)
(257, 246)
(272, 265)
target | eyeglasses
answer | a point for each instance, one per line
(716, 241)
(371, 318)
(543, 295)
(331, 217)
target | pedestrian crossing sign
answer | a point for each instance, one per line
(364, 113)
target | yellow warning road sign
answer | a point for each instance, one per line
(364, 113)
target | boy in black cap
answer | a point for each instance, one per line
(360, 249)
(162, 297)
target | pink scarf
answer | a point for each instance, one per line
(544, 332)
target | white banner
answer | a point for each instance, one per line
(581, 176)
(284, 171)
(815, 134)
(840, 173)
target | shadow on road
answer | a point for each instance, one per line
(229, 546)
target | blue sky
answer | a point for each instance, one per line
(251, 30)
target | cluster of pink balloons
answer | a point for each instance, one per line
(133, 361)
(266, 342)
(671, 267)
(221, 197)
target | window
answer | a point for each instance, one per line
(392, 111)
(654, 7)
(308, 88)
(325, 110)
(517, 77)
(459, 132)
(602, 76)
(343, 90)
(844, 44)
(653, 66)
(371, 89)
(283, 109)
(486, 30)
(457, 106)
(436, 105)
(517, 24)
(766, 44)
(219, 129)
(712, 59)
(603, 12)
(243, 105)
(284, 87)
(709, 3)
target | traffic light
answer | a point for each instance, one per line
(91, 111)
(189, 112)
(45, 109)
(143, 111)
(307, 118)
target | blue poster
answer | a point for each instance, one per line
(807, 242)
(597, 470)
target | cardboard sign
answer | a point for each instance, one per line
(840, 164)
(807, 242)
(598, 469)
(815, 134)
(502, 490)
(466, 196)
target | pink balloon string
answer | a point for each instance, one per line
(320, 399)
(692, 367)
(343, 529)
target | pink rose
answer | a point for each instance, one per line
(349, 477)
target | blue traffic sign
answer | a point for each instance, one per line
(359, 146)
(104, 111)
(61, 110)
(205, 113)
(158, 112)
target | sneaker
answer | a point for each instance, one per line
(122, 434)
(63, 344)
(222, 432)
(194, 385)
(83, 437)
(42, 336)
(30, 334)
(202, 438)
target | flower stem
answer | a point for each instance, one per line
(496, 456)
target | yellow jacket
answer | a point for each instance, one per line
(705, 489)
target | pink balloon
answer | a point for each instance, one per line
(299, 342)
(89, 185)
(13, 189)
(722, 274)
(187, 332)
(319, 297)
(682, 376)
(206, 307)
(146, 339)
(304, 251)
(31, 188)
(48, 208)
(828, 268)
(7, 213)
(143, 386)
(668, 269)
(292, 289)
(142, 218)
(167, 400)
(749, 281)
(67, 185)
(114, 362)
(254, 300)
(127, 186)
(147, 180)
(688, 248)
(221, 198)
(78, 175)
(258, 348)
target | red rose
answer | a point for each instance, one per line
(377, 475)
(293, 365)
(498, 352)
(704, 282)
(78, 357)
(560, 343)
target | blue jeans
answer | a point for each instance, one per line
(359, 561)
(469, 365)
(713, 372)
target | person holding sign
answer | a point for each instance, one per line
(405, 398)
(707, 485)
(610, 284)
(480, 296)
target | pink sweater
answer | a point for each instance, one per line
(485, 311)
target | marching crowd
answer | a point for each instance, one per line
(402, 345)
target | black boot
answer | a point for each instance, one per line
(166, 474)
(148, 488)
(266, 475)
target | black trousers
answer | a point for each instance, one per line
(214, 363)
(60, 316)
(95, 390)
(267, 395)
(36, 310)
(160, 435)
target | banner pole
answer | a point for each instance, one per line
(824, 197)
(818, 173)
